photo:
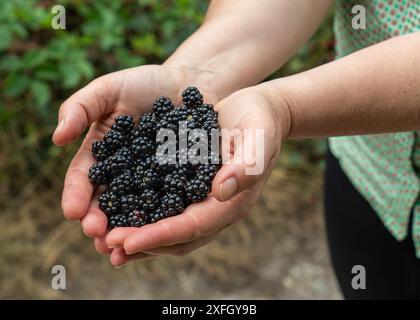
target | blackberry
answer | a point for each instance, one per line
(118, 220)
(148, 201)
(148, 124)
(137, 218)
(206, 173)
(172, 204)
(98, 173)
(162, 106)
(101, 150)
(149, 180)
(175, 183)
(120, 161)
(109, 202)
(197, 190)
(122, 184)
(143, 147)
(114, 139)
(123, 124)
(167, 124)
(192, 97)
(128, 203)
(157, 215)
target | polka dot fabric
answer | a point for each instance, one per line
(384, 168)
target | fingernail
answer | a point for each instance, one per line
(60, 126)
(228, 188)
(119, 266)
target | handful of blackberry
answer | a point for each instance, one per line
(146, 182)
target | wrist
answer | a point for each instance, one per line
(187, 74)
(279, 99)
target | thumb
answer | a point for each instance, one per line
(248, 164)
(84, 107)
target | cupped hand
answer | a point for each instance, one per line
(234, 189)
(131, 92)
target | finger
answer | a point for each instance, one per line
(118, 257)
(78, 190)
(95, 222)
(101, 246)
(182, 249)
(196, 221)
(116, 237)
(83, 108)
(248, 147)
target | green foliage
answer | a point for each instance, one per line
(40, 67)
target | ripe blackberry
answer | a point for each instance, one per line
(98, 173)
(114, 139)
(175, 183)
(162, 106)
(149, 180)
(194, 119)
(143, 147)
(172, 204)
(120, 161)
(206, 173)
(101, 150)
(157, 215)
(148, 200)
(118, 220)
(137, 218)
(129, 203)
(123, 124)
(148, 124)
(197, 190)
(123, 184)
(167, 124)
(192, 97)
(109, 202)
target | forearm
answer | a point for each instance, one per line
(242, 41)
(375, 90)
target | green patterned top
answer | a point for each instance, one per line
(384, 168)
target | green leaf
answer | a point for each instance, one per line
(70, 75)
(41, 93)
(5, 37)
(34, 58)
(15, 84)
(10, 63)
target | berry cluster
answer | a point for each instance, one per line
(140, 187)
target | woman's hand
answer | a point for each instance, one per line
(130, 92)
(234, 190)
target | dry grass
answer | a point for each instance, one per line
(278, 252)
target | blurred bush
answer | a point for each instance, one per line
(40, 66)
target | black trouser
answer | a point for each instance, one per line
(356, 236)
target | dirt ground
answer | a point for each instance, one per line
(279, 252)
